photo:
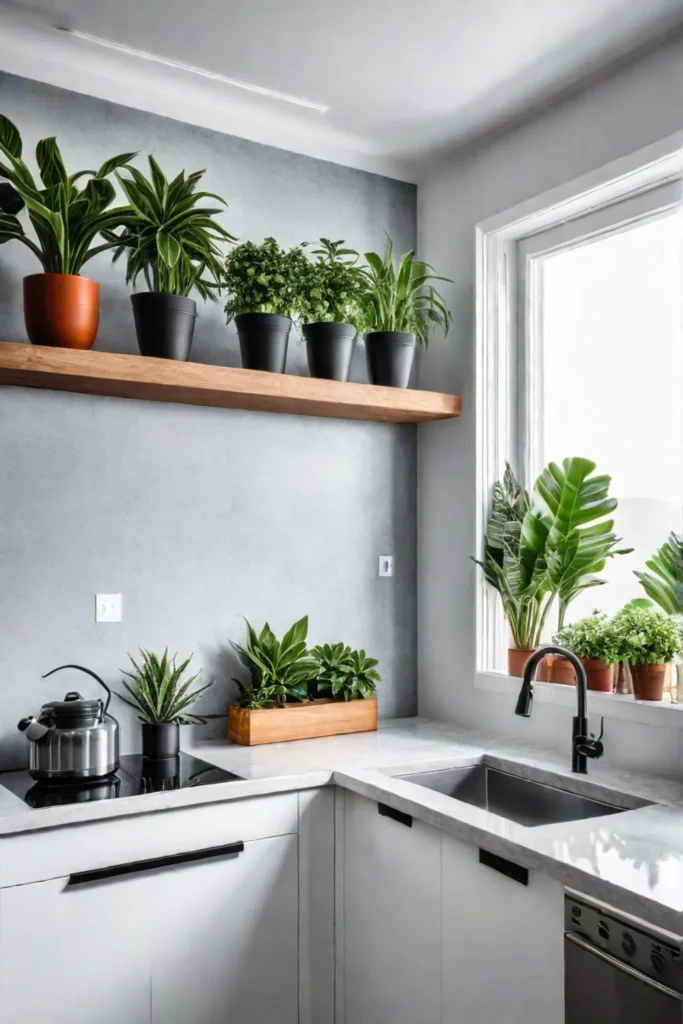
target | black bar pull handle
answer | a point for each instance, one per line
(400, 816)
(154, 864)
(505, 867)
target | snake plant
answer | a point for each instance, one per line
(159, 693)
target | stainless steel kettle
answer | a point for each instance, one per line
(74, 738)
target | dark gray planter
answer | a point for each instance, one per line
(263, 340)
(390, 356)
(160, 741)
(164, 324)
(329, 348)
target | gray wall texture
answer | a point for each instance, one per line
(197, 516)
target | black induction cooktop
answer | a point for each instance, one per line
(136, 777)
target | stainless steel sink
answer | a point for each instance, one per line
(520, 800)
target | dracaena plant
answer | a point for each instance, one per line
(264, 278)
(343, 673)
(334, 286)
(402, 297)
(158, 690)
(664, 582)
(279, 670)
(170, 239)
(66, 218)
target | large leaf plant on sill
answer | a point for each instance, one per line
(534, 555)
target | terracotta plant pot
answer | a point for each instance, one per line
(648, 681)
(560, 670)
(517, 659)
(600, 676)
(61, 310)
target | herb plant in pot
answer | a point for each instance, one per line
(664, 585)
(399, 308)
(264, 284)
(175, 244)
(61, 308)
(649, 640)
(162, 698)
(595, 641)
(330, 309)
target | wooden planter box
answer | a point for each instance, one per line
(301, 721)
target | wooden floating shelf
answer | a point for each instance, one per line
(163, 380)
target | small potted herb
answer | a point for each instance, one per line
(162, 698)
(400, 307)
(649, 640)
(594, 640)
(330, 309)
(176, 246)
(264, 283)
(61, 307)
(345, 674)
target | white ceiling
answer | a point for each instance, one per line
(401, 78)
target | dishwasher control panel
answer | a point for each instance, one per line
(659, 957)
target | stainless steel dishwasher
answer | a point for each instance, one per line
(618, 970)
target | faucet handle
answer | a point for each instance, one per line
(589, 746)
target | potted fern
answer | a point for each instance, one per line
(264, 283)
(400, 306)
(162, 699)
(330, 309)
(175, 245)
(61, 307)
(294, 693)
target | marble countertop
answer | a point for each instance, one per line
(633, 860)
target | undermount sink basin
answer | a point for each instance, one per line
(521, 800)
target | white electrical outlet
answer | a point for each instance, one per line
(386, 565)
(107, 608)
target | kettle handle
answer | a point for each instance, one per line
(89, 672)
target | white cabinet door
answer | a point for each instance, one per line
(502, 943)
(74, 955)
(225, 938)
(391, 960)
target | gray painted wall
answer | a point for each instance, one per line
(641, 103)
(197, 515)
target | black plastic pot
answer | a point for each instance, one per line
(164, 324)
(330, 349)
(160, 741)
(390, 357)
(263, 340)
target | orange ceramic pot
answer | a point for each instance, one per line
(599, 676)
(560, 670)
(61, 310)
(648, 681)
(517, 659)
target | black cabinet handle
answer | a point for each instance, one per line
(505, 867)
(400, 816)
(136, 866)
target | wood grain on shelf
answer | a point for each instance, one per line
(163, 380)
(301, 721)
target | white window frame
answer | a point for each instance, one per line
(499, 243)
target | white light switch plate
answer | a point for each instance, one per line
(386, 565)
(107, 607)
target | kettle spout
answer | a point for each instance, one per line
(34, 729)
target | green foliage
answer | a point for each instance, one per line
(593, 637)
(280, 670)
(664, 583)
(264, 278)
(159, 692)
(334, 286)
(66, 219)
(343, 673)
(647, 636)
(169, 239)
(402, 298)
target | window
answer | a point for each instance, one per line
(580, 352)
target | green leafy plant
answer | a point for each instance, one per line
(264, 278)
(333, 287)
(280, 670)
(343, 673)
(647, 636)
(173, 242)
(402, 298)
(159, 692)
(592, 637)
(664, 582)
(66, 219)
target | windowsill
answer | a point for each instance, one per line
(611, 705)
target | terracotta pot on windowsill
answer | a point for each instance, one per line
(600, 676)
(648, 681)
(560, 670)
(517, 659)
